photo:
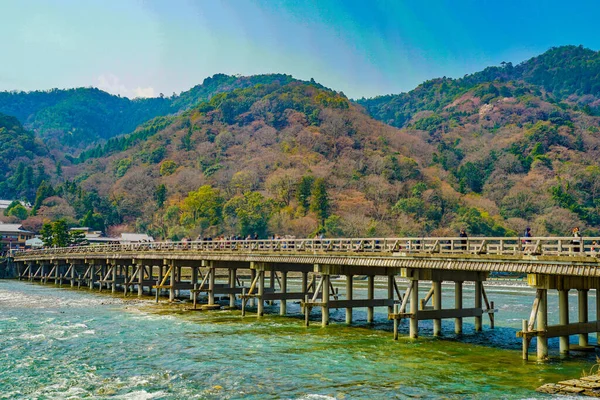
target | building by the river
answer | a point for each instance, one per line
(13, 236)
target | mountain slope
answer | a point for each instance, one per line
(254, 146)
(564, 73)
(76, 118)
(291, 157)
(18, 178)
(498, 158)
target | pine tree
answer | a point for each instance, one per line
(47, 232)
(60, 233)
(44, 191)
(160, 195)
(77, 238)
(186, 141)
(304, 190)
(320, 200)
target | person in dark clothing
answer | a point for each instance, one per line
(577, 240)
(463, 243)
(528, 234)
(526, 242)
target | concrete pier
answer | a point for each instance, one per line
(563, 318)
(325, 300)
(349, 296)
(542, 325)
(414, 309)
(283, 301)
(458, 305)
(478, 298)
(582, 302)
(437, 305)
(370, 296)
(261, 293)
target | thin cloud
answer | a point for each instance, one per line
(143, 92)
(112, 84)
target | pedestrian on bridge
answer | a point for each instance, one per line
(577, 240)
(463, 243)
(528, 234)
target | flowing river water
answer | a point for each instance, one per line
(70, 344)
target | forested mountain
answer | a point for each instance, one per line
(567, 73)
(75, 118)
(18, 147)
(490, 153)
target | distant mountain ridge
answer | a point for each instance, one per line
(78, 117)
(564, 73)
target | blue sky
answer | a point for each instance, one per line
(363, 48)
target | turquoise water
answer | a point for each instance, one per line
(69, 344)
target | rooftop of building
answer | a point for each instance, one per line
(12, 228)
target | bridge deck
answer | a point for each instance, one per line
(540, 255)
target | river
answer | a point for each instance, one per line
(70, 344)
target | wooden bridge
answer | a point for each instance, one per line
(551, 263)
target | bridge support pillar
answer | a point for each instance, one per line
(437, 305)
(114, 278)
(127, 281)
(304, 287)
(92, 276)
(414, 309)
(43, 275)
(194, 281)
(458, 304)
(478, 301)
(370, 296)
(283, 302)
(28, 271)
(102, 275)
(232, 281)
(325, 300)
(56, 268)
(390, 287)
(172, 282)
(563, 317)
(211, 284)
(140, 277)
(252, 278)
(598, 313)
(542, 326)
(160, 279)
(272, 277)
(178, 280)
(304, 282)
(261, 291)
(564, 329)
(582, 298)
(73, 274)
(349, 295)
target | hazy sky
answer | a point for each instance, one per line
(363, 48)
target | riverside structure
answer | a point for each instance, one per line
(550, 263)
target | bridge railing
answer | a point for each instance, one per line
(556, 246)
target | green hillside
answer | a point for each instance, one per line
(294, 158)
(569, 74)
(76, 118)
(18, 177)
